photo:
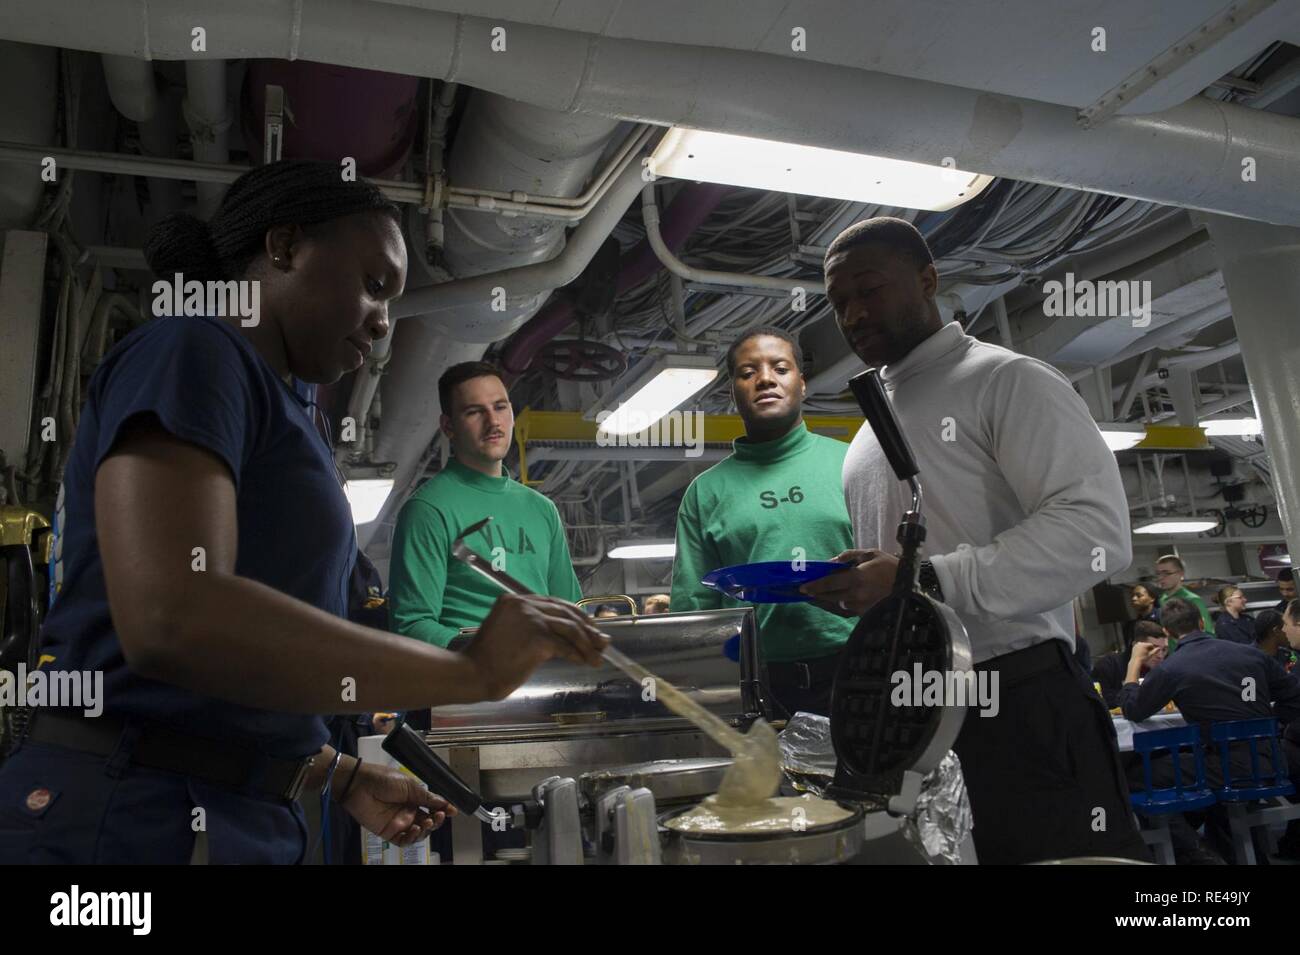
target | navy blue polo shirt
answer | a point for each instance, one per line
(204, 383)
(1205, 678)
(1240, 630)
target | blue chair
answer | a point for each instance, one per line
(1157, 805)
(1239, 796)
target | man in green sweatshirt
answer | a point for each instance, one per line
(1169, 578)
(778, 497)
(433, 595)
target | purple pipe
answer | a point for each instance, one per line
(688, 210)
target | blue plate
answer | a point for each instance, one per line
(770, 581)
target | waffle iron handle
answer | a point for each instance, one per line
(871, 397)
(407, 747)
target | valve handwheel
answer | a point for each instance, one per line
(1253, 516)
(577, 360)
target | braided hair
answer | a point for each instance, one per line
(298, 192)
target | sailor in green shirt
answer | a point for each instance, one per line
(777, 497)
(433, 595)
(1169, 578)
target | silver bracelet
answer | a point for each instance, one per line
(329, 774)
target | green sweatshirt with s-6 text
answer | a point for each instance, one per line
(780, 500)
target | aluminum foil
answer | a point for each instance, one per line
(943, 811)
(942, 818)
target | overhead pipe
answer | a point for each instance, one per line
(527, 282)
(208, 116)
(520, 285)
(397, 190)
(1190, 155)
(446, 344)
(650, 217)
(500, 145)
(692, 205)
(30, 118)
(131, 87)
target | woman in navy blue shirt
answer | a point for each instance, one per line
(1232, 622)
(205, 555)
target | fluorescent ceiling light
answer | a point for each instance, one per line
(646, 550)
(812, 171)
(1178, 525)
(1121, 437)
(367, 497)
(1231, 427)
(650, 391)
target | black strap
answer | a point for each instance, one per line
(160, 747)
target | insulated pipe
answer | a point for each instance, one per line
(687, 212)
(208, 118)
(397, 190)
(1261, 271)
(131, 87)
(31, 117)
(519, 286)
(158, 140)
(428, 346)
(500, 145)
(1190, 155)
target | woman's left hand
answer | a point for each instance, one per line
(388, 802)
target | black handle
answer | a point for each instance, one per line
(405, 745)
(880, 415)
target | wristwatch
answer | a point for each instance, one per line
(928, 581)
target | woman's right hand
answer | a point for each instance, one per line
(521, 633)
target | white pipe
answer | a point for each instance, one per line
(131, 86)
(216, 172)
(208, 117)
(500, 145)
(1189, 155)
(525, 283)
(650, 217)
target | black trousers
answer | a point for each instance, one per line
(1043, 775)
